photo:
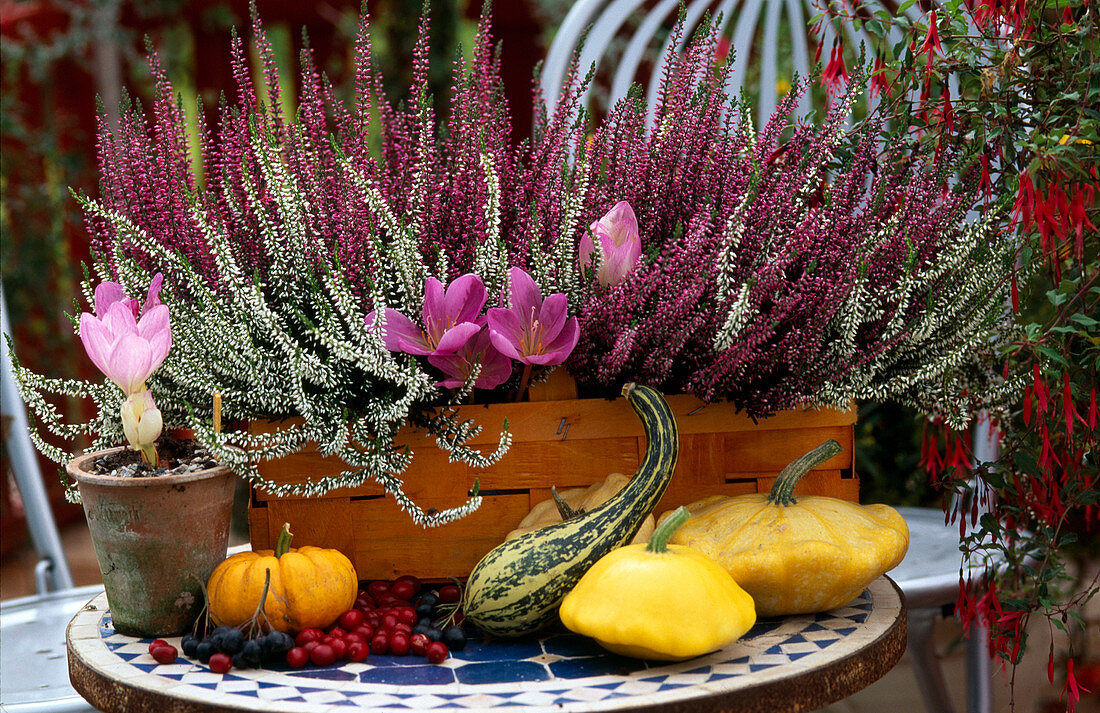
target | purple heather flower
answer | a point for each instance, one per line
(451, 318)
(533, 330)
(618, 234)
(125, 348)
(495, 367)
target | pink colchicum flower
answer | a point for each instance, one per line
(142, 423)
(619, 241)
(125, 348)
(495, 367)
(451, 318)
(533, 330)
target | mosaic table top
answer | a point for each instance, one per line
(790, 663)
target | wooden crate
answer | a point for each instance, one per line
(564, 443)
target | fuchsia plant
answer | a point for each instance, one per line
(128, 344)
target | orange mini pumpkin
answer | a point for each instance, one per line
(309, 587)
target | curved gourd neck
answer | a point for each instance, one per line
(782, 492)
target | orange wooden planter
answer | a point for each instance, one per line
(564, 443)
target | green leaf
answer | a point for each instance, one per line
(1047, 351)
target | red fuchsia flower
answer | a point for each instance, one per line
(451, 318)
(836, 73)
(879, 83)
(619, 242)
(125, 348)
(931, 42)
(478, 351)
(142, 423)
(533, 330)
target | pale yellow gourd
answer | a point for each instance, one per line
(580, 499)
(797, 557)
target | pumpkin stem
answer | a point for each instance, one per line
(282, 543)
(782, 490)
(658, 541)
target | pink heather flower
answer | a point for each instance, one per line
(622, 248)
(533, 330)
(142, 423)
(451, 318)
(495, 367)
(126, 349)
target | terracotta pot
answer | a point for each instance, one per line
(157, 541)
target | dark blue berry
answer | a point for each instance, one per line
(454, 637)
(204, 650)
(189, 643)
(252, 652)
(231, 642)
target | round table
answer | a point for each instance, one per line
(789, 664)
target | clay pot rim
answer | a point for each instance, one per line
(76, 468)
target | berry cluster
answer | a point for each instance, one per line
(227, 647)
(397, 618)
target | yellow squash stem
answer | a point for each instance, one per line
(783, 488)
(658, 542)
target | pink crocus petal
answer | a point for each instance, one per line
(526, 297)
(506, 332)
(107, 294)
(400, 333)
(130, 363)
(464, 298)
(152, 299)
(455, 338)
(97, 341)
(559, 350)
(552, 317)
(620, 243)
(434, 296)
(495, 367)
(154, 327)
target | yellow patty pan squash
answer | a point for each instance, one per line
(658, 601)
(797, 557)
(581, 500)
(309, 586)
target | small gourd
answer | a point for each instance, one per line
(580, 500)
(797, 557)
(309, 586)
(659, 601)
(517, 586)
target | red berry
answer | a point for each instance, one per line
(365, 631)
(309, 646)
(374, 619)
(296, 657)
(354, 636)
(403, 589)
(336, 633)
(406, 615)
(377, 588)
(399, 644)
(307, 635)
(389, 621)
(351, 619)
(403, 627)
(437, 652)
(157, 643)
(449, 593)
(220, 663)
(322, 655)
(415, 582)
(380, 644)
(418, 644)
(357, 651)
(339, 647)
(165, 653)
(389, 601)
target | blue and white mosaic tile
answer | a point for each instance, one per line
(559, 672)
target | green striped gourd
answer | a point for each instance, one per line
(516, 588)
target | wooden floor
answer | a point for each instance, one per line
(895, 693)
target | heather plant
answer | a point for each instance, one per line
(369, 265)
(801, 265)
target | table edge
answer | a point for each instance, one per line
(824, 686)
